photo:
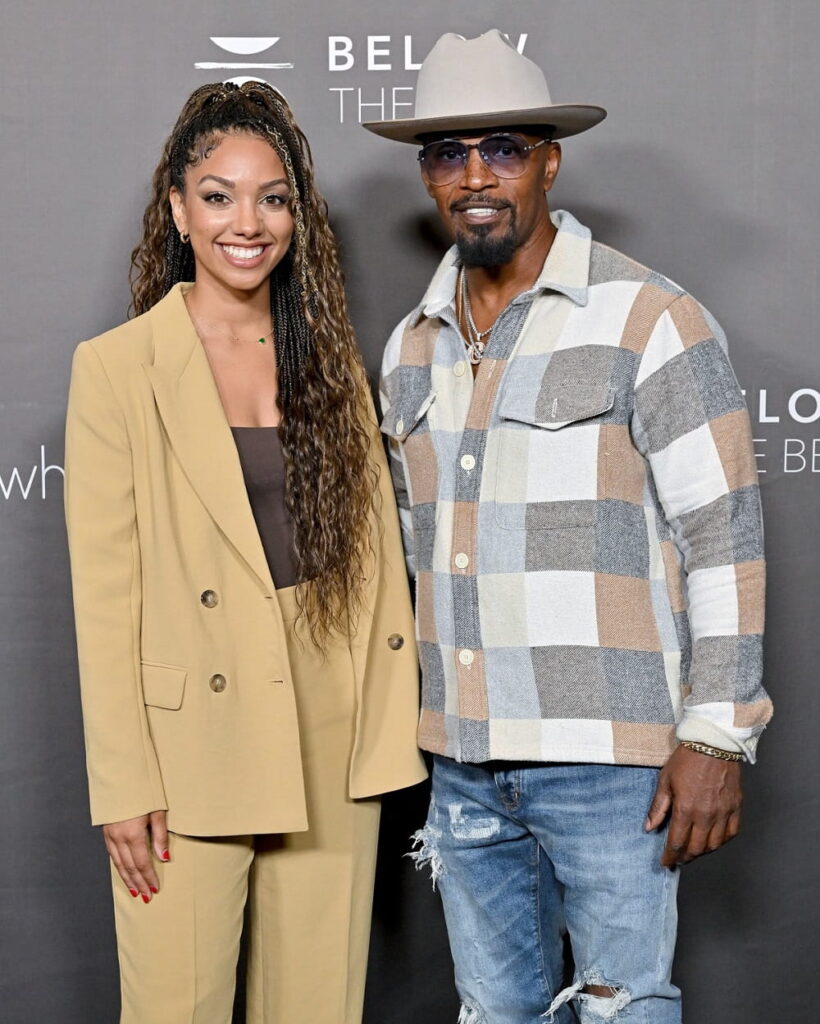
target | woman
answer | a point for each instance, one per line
(244, 629)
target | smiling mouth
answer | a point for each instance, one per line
(240, 252)
(478, 211)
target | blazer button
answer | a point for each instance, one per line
(209, 598)
(218, 683)
(395, 641)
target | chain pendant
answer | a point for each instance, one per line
(475, 351)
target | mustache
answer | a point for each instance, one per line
(478, 200)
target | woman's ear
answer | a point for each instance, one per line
(178, 210)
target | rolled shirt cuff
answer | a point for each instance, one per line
(697, 728)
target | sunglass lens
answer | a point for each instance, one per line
(444, 160)
(504, 155)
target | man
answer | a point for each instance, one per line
(573, 459)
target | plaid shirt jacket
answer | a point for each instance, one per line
(583, 519)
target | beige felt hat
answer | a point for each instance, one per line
(483, 83)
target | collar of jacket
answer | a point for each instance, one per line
(565, 270)
(197, 428)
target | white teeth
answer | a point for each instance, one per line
(244, 254)
(481, 211)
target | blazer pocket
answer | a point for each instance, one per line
(163, 686)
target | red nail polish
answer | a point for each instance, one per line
(134, 892)
(145, 899)
(153, 889)
(166, 855)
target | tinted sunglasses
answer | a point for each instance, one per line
(443, 162)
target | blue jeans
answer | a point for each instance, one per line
(526, 854)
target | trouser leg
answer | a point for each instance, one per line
(311, 892)
(178, 953)
(310, 915)
(502, 904)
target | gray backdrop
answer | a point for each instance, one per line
(706, 169)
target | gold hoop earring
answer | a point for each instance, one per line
(184, 237)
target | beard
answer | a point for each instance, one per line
(478, 247)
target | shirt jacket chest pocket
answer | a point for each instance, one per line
(551, 459)
(407, 425)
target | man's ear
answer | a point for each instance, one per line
(552, 165)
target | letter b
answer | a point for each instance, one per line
(339, 53)
(789, 454)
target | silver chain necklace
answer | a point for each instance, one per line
(476, 344)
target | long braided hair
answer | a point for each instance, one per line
(330, 480)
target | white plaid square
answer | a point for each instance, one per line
(713, 606)
(563, 609)
(688, 472)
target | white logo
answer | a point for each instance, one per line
(372, 54)
(245, 46)
(799, 408)
(19, 481)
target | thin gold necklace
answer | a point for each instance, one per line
(234, 337)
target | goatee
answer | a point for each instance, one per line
(480, 249)
(478, 245)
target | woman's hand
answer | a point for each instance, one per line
(129, 844)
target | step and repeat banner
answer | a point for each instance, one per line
(706, 169)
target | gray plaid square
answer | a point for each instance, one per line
(668, 403)
(622, 546)
(636, 687)
(714, 379)
(570, 682)
(572, 549)
(474, 740)
(432, 676)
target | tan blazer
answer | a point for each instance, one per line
(187, 696)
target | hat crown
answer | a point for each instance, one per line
(475, 85)
(470, 76)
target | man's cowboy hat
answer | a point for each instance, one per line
(483, 83)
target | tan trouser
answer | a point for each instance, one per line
(309, 893)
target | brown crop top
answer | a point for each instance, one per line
(263, 467)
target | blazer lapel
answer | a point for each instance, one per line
(194, 419)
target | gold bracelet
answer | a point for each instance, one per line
(704, 748)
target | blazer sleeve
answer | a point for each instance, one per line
(123, 772)
(386, 756)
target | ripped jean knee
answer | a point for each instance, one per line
(471, 1015)
(591, 1008)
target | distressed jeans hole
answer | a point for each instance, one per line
(598, 1000)
(425, 851)
(471, 1015)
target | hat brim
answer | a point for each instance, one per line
(565, 119)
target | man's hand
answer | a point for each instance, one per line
(129, 845)
(704, 796)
